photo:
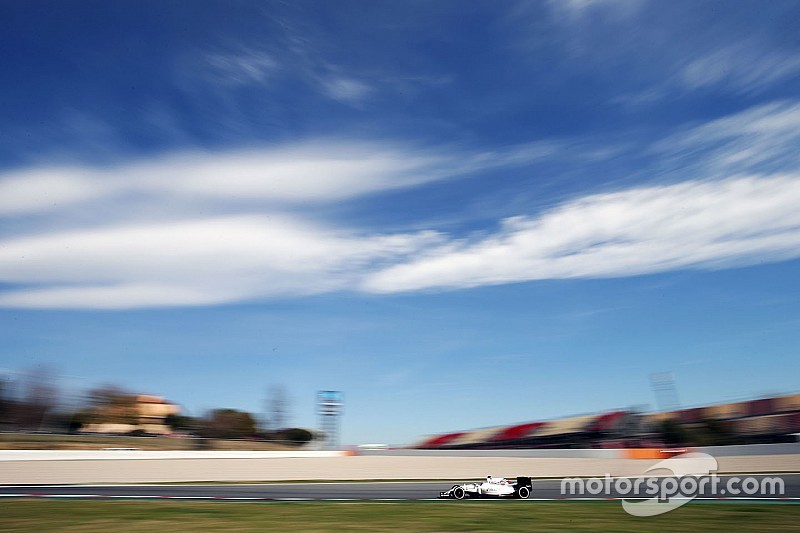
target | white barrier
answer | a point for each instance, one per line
(94, 455)
(119, 470)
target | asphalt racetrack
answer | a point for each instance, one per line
(546, 489)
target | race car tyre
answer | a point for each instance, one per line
(459, 493)
(523, 492)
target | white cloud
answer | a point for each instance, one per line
(194, 262)
(313, 172)
(42, 189)
(120, 296)
(141, 241)
(733, 201)
(705, 224)
(700, 224)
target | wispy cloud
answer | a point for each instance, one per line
(576, 9)
(159, 232)
(762, 139)
(743, 66)
(705, 224)
(346, 90)
(731, 199)
(241, 68)
(255, 67)
(735, 203)
(665, 51)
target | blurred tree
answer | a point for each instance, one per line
(111, 404)
(294, 436)
(713, 433)
(7, 403)
(673, 433)
(39, 400)
(180, 422)
(78, 419)
(228, 424)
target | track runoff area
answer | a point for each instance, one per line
(778, 487)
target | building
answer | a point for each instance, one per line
(143, 413)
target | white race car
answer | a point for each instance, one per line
(493, 486)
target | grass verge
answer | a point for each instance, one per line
(140, 516)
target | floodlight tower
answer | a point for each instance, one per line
(663, 384)
(329, 409)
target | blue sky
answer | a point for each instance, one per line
(407, 201)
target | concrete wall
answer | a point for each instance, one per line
(752, 449)
(567, 454)
(144, 469)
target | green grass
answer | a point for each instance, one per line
(125, 516)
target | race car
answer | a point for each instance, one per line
(493, 487)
